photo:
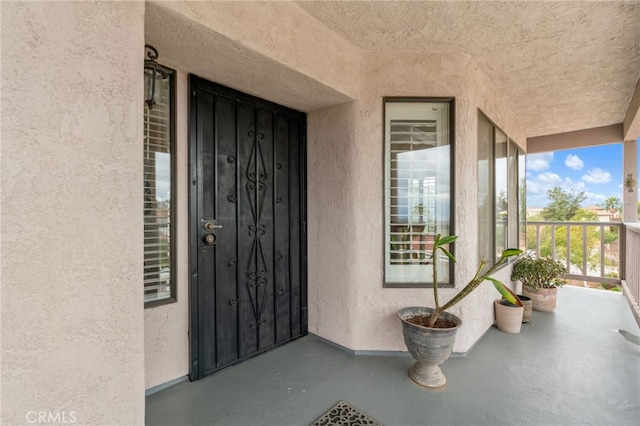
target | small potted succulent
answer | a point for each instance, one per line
(540, 278)
(429, 333)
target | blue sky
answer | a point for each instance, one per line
(596, 170)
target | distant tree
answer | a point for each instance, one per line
(501, 202)
(612, 204)
(583, 215)
(563, 205)
(523, 199)
(577, 247)
(560, 240)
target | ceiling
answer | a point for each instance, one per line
(563, 66)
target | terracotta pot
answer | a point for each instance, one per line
(543, 299)
(528, 307)
(508, 317)
(429, 346)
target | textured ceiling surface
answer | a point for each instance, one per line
(562, 65)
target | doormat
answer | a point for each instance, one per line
(342, 414)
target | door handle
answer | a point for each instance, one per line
(210, 226)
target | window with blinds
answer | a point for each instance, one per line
(417, 189)
(159, 215)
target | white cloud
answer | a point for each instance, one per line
(597, 175)
(539, 162)
(568, 184)
(574, 162)
(535, 188)
(549, 179)
(593, 198)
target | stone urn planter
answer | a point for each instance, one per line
(542, 299)
(429, 346)
(429, 333)
(508, 316)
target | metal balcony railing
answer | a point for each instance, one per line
(631, 276)
(597, 252)
(591, 251)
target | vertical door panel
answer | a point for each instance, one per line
(282, 253)
(226, 237)
(248, 332)
(294, 230)
(264, 223)
(206, 264)
(246, 194)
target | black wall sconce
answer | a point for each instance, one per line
(154, 73)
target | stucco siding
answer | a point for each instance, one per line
(72, 311)
(273, 50)
(335, 221)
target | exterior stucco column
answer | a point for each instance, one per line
(72, 232)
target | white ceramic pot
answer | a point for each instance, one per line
(508, 317)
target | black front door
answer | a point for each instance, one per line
(248, 226)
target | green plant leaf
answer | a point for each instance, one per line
(445, 240)
(505, 291)
(448, 253)
(511, 252)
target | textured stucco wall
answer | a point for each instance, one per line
(410, 74)
(346, 260)
(334, 223)
(273, 50)
(280, 31)
(72, 316)
(166, 327)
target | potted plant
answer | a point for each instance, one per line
(429, 333)
(528, 307)
(509, 317)
(540, 278)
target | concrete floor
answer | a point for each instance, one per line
(579, 365)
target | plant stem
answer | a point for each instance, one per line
(473, 284)
(435, 281)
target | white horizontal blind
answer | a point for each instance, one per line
(157, 197)
(412, 209)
